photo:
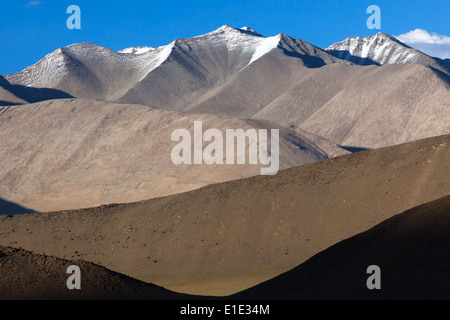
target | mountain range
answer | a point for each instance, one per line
(362, 92)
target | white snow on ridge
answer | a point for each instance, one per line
(267, 45)
(50, 68)
(137, 50)
(243, 46)
(246, 41)
(380, 48)
(158, 56)
(232, 38)
(149, 61)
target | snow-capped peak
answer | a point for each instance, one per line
(226, 29)
(377, 49)
(244, 42)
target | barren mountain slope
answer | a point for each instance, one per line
(265, 79)
(69, 154)
(224, 238)
(363, 106)
(308, 94)
(393, 104)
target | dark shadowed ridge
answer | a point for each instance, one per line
(11, 208)
(27, 276)
(8, 103)
(31, 94)
(444, 63)
(411, 249)
(354, 149)
(442, 75)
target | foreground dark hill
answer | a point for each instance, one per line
(225, 238)
(27, 276)
(411, 249)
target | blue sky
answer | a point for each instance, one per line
(31, 29)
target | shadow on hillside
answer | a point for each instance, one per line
(444, 63)
(11, 208)
(309, 61)
(345, 54)
(30, 94)
(411, 249)
(354, 149)
(442, 75)
(8, 103)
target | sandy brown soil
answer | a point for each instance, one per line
(27, 276)
(411, 250)
(225, 238)
(80, 153)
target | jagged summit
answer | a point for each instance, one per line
(244, 30)
(378, 49)
(380, 36)
(92, 71)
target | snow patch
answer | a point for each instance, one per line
(137, 50)
(380, 48)
(267, 45)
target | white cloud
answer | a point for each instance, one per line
(33, 4)
(433, 44)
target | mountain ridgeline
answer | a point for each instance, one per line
(361, 92)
